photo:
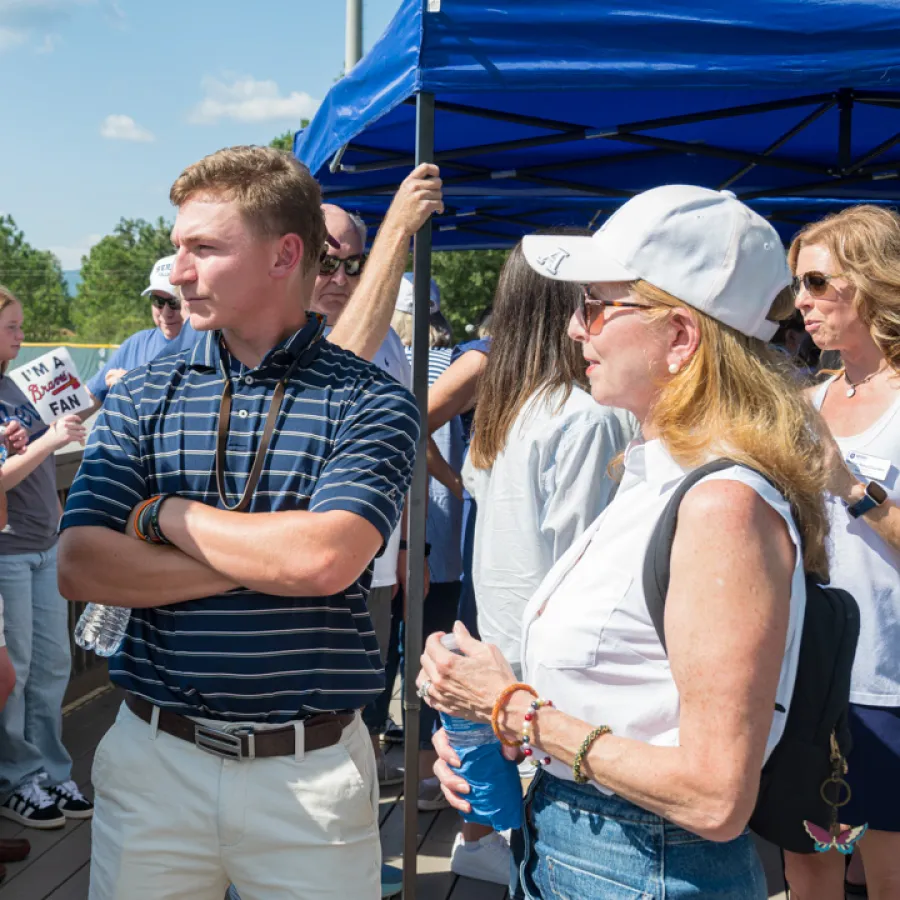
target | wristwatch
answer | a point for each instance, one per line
(875, 496)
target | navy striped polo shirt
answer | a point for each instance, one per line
(345, 440)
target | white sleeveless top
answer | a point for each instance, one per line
(588, 643)
(868, 567)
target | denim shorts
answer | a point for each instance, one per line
(580, 844)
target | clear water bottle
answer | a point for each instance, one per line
(495, 790)
(102, 628)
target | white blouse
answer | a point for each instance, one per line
(588, 642)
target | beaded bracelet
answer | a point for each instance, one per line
(582, 752)
(500, 702)
(536, 704)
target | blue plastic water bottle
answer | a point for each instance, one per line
(496, 793)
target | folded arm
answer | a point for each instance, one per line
(295, 554)
(101, 565)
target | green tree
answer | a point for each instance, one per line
(35, 277)
(109, 306)
(286, 141)
(467, 279)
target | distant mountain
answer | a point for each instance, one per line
(73, 279)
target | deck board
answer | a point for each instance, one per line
(58, 868)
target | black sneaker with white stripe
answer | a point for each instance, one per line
(32, 806)
(71, 802)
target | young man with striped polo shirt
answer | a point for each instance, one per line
(276, 464)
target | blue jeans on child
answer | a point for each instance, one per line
(37, 635)
(580, 844)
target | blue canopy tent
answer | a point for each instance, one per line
(555, 111)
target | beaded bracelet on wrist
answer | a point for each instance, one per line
(527, 725)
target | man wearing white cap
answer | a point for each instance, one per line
(145, 345)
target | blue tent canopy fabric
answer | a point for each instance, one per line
(540, 102)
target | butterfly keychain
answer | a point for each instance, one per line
(842, 839)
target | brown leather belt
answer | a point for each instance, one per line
(241, 742)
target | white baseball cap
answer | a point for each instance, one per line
(159, 277)
(702, 246)
(406, 298)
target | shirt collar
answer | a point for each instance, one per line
(650, 462)
(207, 351)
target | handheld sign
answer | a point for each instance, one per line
(52, 384)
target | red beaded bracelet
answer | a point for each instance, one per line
(536, 704)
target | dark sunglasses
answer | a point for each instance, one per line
(160, 302)
(328, 265)
(814, 283)
(592, 310)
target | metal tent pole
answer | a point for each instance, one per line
(353, 35)
(416, 513)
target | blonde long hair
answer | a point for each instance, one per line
(735, 398)
(7, 298)
(865, 244)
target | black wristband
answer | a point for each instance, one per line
(155, 507)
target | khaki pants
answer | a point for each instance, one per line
(174, 822)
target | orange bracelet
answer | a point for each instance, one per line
(500, 702)
(137, 518)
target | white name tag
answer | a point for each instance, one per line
(866, 466)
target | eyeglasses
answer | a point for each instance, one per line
(814, 283)
(160, 302)
(592, 310)
(328, 265)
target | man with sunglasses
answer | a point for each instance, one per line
(146, 345)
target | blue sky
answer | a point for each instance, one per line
(104, 102)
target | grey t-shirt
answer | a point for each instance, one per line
(33, 508)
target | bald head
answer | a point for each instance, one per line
(332, 292)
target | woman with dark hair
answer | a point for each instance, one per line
(537, 468)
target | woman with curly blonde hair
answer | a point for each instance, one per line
(847, 277)
(650, 756)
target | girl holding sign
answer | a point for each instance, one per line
(36, 789)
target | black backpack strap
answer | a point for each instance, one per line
(659, 550)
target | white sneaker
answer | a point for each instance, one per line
(431, 797)
(486, 860)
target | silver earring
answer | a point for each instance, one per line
(673, 368)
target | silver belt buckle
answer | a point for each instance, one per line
(225, 743)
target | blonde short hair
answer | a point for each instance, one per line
(273, 190)
(865, 243)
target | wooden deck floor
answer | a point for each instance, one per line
(58, 868)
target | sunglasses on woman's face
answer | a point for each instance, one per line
(328, 265)
(593, 310)
(814, 283)
(160, 302)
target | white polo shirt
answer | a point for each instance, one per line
(588, 643)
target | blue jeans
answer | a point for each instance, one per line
(37, 635)
(580, 844)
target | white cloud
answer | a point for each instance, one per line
(124, 128)
(11, 37)
(245, 99)
(69, 255)
(51, 42)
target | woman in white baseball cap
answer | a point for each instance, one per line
(650, 755)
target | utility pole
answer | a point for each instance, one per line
(354, 35)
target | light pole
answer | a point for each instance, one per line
(354, 35)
